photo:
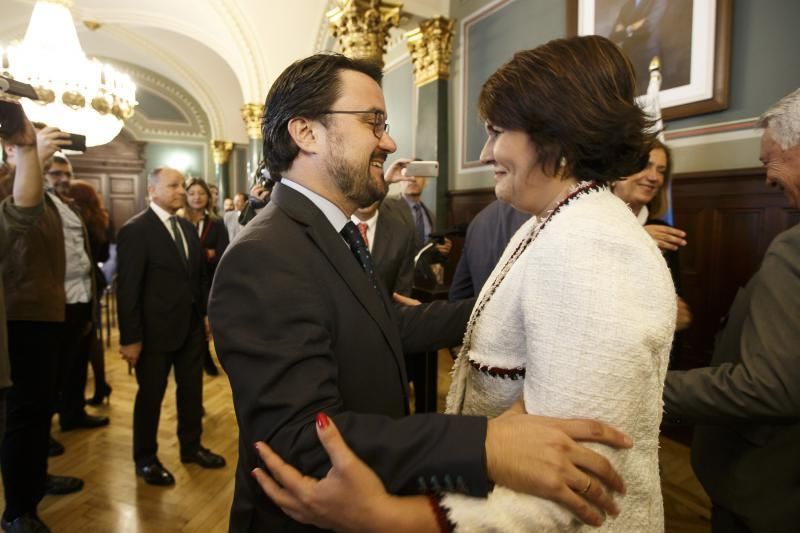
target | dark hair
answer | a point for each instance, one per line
(92, 212)
(56, 159)
(660, 203)
(307, 88)
(202, 183)
(575, 99)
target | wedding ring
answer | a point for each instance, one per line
(588, 486)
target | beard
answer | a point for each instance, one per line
(354, 179)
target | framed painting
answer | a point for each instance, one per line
(690, 38)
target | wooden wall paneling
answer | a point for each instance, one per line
(116, 170)
(730, 218)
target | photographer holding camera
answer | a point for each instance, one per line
(34, 267)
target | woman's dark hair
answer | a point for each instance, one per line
(92, 212)
(202, 183)
(575, 99)
(307, 88)
(660, 203)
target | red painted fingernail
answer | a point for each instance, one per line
(255, 445)
(323, 421)
(253, 473)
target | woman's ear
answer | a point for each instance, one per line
(302, 132)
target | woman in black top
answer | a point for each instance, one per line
(213, 238)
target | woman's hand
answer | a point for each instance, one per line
(405, 300)
(666, 237)
(350, 497)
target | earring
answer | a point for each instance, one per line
(563, 162)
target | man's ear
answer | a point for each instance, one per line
(302, 132)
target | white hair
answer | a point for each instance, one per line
(782, 120)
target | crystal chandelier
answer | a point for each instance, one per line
(76, 94)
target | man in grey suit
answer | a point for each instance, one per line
(746, 449)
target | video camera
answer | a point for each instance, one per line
(12, 116)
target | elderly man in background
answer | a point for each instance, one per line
(161, 290)
(747, 403)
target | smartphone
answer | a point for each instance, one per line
(428, 169)
(77, 144)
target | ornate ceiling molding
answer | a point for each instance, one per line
(249, 72)
(255, 87)
(143, 128)
(195, 86)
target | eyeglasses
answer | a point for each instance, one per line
(57, 173)
(378, 122)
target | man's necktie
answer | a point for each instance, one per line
(419, 224)
(362, 229)
(360, 251)
(177, 236)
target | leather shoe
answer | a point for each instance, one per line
(24, 524)
(155, 474)
(87, 421)
(59, 485)
(205, 458)
(54, 448)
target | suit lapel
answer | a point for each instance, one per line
(380, 245)
(335, 250)
(163, 235)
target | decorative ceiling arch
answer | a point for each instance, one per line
(235, 45)
(195, 86)
(197, 124)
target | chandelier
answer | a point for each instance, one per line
(76, 94)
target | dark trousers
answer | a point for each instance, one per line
(33, 349)
(74, 355)
(723, 521)
(152, 372)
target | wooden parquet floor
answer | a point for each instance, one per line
(115, 500)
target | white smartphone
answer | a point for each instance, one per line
(428, 169)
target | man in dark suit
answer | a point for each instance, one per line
(161, 292)
(747, 404)
(391, 244)
(303, 325)
(487, 237)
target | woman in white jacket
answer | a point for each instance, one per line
(577, 317)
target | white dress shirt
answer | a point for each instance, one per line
(334, 215)
(372, 223)
(164, 216)
(78, 271)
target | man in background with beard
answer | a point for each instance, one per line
(304, 327)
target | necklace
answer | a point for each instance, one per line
(579, 189)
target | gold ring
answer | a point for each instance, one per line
(588, 486)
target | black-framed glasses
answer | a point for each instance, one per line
(379, 124)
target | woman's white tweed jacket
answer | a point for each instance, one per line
(582, 325)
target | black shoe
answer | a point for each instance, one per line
(85, 422)
(155, 474)
(101, 393)
(205, 458)
(24, 524)
(55, 448)
(60, 485)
